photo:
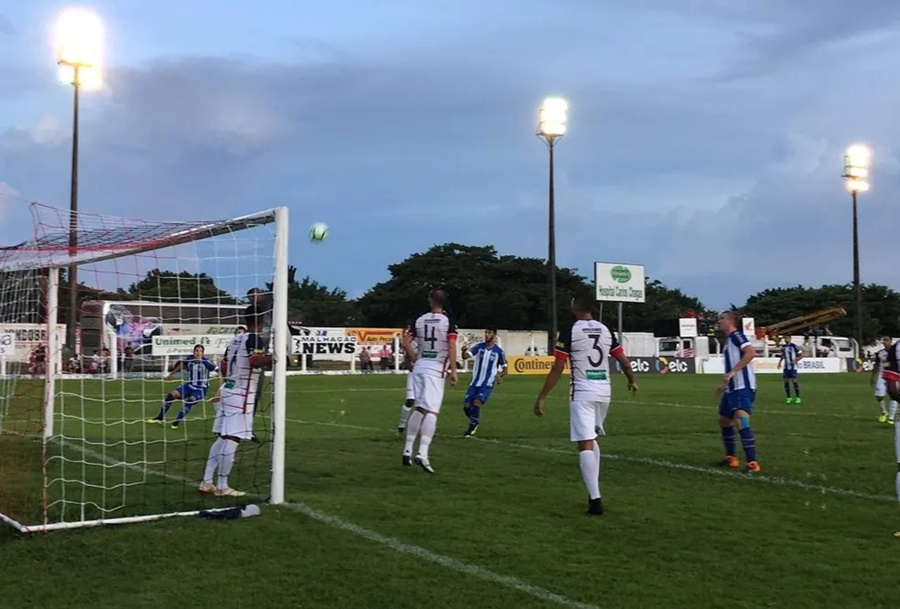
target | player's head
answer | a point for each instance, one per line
(253, 319)
(239, 330)
(437, 299)
(886, 341)
(490, 335)
(198, 351)
(582, 302)
(255, 296)
(728, 322)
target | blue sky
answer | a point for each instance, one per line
(706, 136)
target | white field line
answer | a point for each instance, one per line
(392, 543)
(774, 480)
(712, 407)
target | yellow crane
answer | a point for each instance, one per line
(777, 332)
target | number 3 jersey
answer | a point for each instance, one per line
(241, 379)
(432, 333)
(588, 344)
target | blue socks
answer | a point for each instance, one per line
(748, 441)
(728, 438)
(183, 412)
(167, 403)
(473, 412)
(797, 389)
(787, 390)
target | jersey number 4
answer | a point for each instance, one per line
(431, 339)
(595, 349)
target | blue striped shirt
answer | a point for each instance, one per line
(487, 364)
(790, 353)
(198, 371)
(734, 351)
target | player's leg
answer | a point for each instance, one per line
(480, 396)
(744, 399)
(237, 426)
(786, 377)
(414, 424)
(175, 394)
(796, 381)
(195, 395)
(726, 423)
(408, 405)
(429, 402)
(582, 423)
(599, 429)
(881, 391)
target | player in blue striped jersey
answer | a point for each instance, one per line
(489, 368)
(790, 356)
(194, 390)
(738, 393)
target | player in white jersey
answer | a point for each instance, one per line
(434, 354)
(738, 393)
(587, 345)
(880, 384)
(244, 356)
(410, 402)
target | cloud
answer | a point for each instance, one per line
(6, 27)
(720, 186)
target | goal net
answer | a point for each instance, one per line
(107, 421)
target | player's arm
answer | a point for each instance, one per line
(503, 368)
(451, 351)
(747, 355)
(618, 353)
(875, 366)
(406, 343)
(258, 356)
(800, 355)
(780, 359)
(561, 353)
(175, 368)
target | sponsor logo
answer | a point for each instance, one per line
(660, 365)
(373, 336)
(532, 364)
(620, 274)
(323, 345)
(7, 344)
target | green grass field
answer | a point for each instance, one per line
(502, 522)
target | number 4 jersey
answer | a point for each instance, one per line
(432, 333)
(587, 344)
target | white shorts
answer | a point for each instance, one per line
(586, 419)
(410, 387)
(428, 390)
(880, 387)
(231, 420)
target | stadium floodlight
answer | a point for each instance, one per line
(91, 445)
(552, 124)
(79, 41)
(856, 177)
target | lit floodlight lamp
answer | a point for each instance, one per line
(856, 168)
(553, 118)
(79, 41)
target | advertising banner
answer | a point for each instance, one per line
(324, 346)
(531, 365)
(616, 282)
(373, 336)
(659, 365)
(183, 344)
(769, 365)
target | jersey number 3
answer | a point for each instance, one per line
(595, 349)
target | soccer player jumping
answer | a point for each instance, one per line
(738, 393)
(490, 367)
(193, 391)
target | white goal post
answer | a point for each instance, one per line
(81, 443)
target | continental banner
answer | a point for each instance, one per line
(533, 364)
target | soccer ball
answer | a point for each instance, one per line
(318, 232)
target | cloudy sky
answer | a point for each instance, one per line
(706, 136)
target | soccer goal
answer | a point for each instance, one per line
(82, 442)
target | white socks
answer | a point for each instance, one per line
(404, 415)
(226, 462)
(412, 430)
(213, 461)
(881, 405)
(429, 425)
(893, 410)
(590, 470)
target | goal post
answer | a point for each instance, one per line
(105, 431)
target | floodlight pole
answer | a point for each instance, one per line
(73, 214)
(857, 288)
(551, 253)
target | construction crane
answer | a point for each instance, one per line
(777, 332)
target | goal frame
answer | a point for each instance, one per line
(53, 260)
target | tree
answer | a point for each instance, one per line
(881, 307)
(484, 288)
(180, 287)
(319, 305)
(662, 302)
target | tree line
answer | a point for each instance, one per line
(487, 288)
